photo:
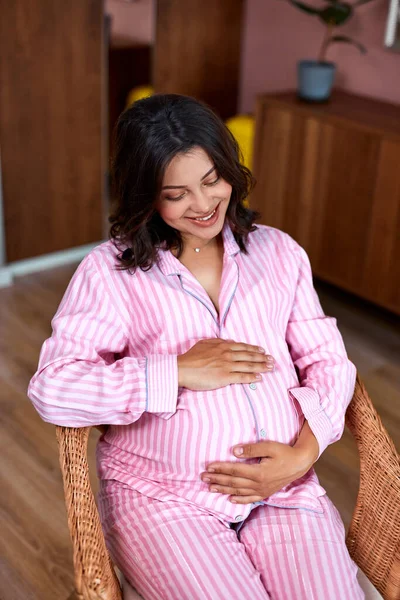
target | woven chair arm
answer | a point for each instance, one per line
(373, 539)
(95, 577)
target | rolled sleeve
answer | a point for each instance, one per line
(317, 418)
(326, 375)
(162, 384)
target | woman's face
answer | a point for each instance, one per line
(194, 198)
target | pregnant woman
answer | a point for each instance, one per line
(191, 332)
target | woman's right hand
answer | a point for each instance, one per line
(216, 363)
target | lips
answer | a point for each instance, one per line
(206, 217)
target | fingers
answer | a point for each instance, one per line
(247, 358)
(240, 496)
(257, 450)
(233, 469)
(246, 352)
(214, 363)
(241, 347)
(250, 355)
(229, 491)
(256, 357)
(250, 367)
(216, 480)
(225, 484)
(245, 499)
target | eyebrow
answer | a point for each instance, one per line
(175, 187)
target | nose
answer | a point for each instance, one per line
(202, 203)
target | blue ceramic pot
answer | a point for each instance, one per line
(315, 80)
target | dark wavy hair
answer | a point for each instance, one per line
(148, 135)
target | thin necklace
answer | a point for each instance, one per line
(197, 250)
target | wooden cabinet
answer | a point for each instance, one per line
(53, 105)
(329, 175)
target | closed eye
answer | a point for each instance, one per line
(175, 198)
(213, 182)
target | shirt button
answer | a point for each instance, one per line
(263, 433)
(253, 386)
(239, 518)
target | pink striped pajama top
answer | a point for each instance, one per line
(112, 359)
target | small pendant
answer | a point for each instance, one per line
(197, 249)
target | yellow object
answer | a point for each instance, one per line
(242, 127)
(137, 93)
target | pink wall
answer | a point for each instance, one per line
(276, 35)
(132, 22)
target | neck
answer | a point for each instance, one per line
(201, 249)
(196, 245)
(204, 250)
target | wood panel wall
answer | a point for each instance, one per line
(197, 51)
(51, 124)
(329, 175)
(128, 67)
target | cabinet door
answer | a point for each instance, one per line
(343, 196)
(51, 124)
(381, 277)
(325, 182)
(286, 166)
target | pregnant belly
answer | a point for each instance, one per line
(204, 429)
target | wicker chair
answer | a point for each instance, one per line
(373, 539)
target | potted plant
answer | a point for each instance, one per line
(316, 77)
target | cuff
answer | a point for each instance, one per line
(161, 383)
(318, 420)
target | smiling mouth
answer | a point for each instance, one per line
(206, 218)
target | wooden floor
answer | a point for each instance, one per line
(35, 554)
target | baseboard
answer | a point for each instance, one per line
(5, 277)
(42, 263)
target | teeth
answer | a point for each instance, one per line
(206, 218)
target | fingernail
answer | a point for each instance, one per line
(261, 349)
(207, 479)
(213, 490)
(234, 501)
(211, 470)
(270, 359)
(238, 451)
(258, 376)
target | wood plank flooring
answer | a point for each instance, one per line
(35, 552)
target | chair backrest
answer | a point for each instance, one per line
(373, 539)
(95, 578)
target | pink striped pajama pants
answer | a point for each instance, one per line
(176, 551)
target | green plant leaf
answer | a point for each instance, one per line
(336, 14)
(346, 40)
(305, 7)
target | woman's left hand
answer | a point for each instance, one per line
(280, 465)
